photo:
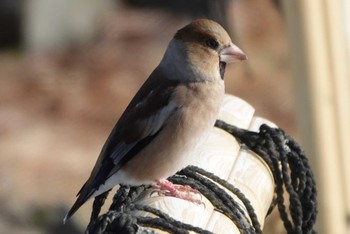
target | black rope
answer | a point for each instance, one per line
(197, 178)
(281, 153)
(96, 208)
(290, 169)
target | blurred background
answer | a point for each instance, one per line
(68, 68)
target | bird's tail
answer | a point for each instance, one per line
(91, 188)
(84, 194)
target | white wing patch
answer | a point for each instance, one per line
(158, 120)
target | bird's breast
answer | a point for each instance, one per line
(200, 104)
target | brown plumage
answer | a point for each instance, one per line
(171, 113)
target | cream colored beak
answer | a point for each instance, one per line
(231, 54)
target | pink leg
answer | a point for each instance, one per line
(185, 192)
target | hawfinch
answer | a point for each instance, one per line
(169, 116)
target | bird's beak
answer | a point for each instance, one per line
(231, 54)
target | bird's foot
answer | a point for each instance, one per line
(185, 192)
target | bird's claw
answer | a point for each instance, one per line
(185, 192)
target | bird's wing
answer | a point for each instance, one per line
(140, 123)
(142, 120)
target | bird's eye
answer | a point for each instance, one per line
(212, 43)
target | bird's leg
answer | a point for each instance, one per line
(185, 192)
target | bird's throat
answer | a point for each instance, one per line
(222, 67)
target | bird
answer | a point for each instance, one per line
(169, 116)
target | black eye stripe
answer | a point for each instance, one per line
(212, 43)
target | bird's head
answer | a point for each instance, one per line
(200, 51)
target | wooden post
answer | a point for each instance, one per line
(317, 36)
